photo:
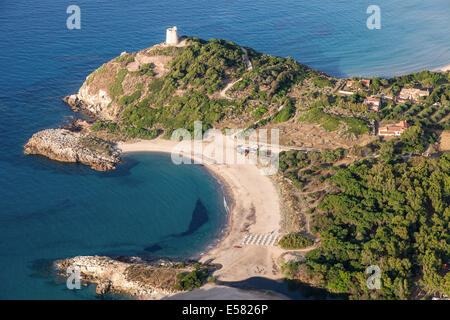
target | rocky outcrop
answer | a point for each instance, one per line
(94, 104)
(68, 146)
(131, 278)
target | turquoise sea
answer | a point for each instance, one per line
(50, 210)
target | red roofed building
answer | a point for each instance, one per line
(373, 103)
(365, 83)
(393, 130)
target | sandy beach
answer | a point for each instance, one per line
(443, 69)
(255, 209)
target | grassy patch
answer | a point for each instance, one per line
(286, 113)
(116, 88)
(356, 126)
(97, 145)
(125, 100)
(259, 112)
(126, 58)
(332, 122)
(109, 126)
(318, 116)
(168, 51)
(146, 70)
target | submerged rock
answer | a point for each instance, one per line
(68, 146)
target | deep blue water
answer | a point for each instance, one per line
(51, 210)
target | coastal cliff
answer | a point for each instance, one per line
(68, 146)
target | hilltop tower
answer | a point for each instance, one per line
(172, 36)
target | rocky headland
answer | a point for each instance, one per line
(70, 146)
(132, 276)
(113, 276)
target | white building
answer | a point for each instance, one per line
(172, 36)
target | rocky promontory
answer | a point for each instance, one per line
(131, 277)
(69, 146)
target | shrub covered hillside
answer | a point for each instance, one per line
(159, 89)
(191, 88)
(389, 213)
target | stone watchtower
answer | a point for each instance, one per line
(172, 36)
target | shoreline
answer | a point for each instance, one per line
(254, 208)
(442, 69)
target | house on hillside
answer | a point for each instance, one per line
(373, 103)
(365, 83)
(394, 130)
(387, 97)
(411, 94)
(354, 84)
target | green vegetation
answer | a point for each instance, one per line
(286, 113)
(125, 100)
(167, 51)
(191, 280)
(116, 88)
(125, 58)
(129, 132)
(391, 214)
(201, 69)
(259, 112)
(332, 122)
(322, 82)
(98, 145)
(304, 169)
(290, 269)
(109, 126)
(203, 64)
(295, 241)
(197, 72)
(280, 74)
(318, 116)
(146, 70)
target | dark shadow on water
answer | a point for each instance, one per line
(58, 208)
(292, 289)
(42, 268)
(123, 169)
(199, 218)
(153, 248)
